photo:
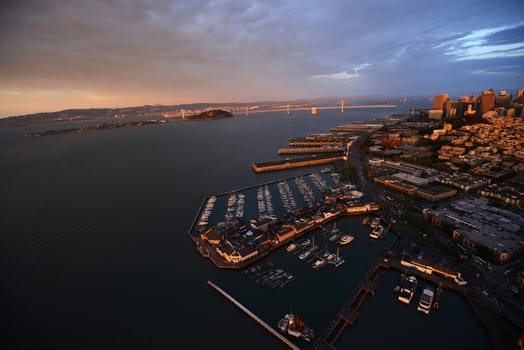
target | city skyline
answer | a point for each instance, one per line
(104, 54)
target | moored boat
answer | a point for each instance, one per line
(291, 247)
(408, 289)
(304, 255)
(377, 232)
(346, 239)
(319, 263)
(374, 222)
(294, 326)
(426, 299)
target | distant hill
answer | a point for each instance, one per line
(171, 111)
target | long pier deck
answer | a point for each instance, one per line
(253, 316)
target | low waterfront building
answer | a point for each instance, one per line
(436, 192)
(396, 184)
(463, 181)
(496, 234)
(505, 193)
(412, 179)
(236, 255)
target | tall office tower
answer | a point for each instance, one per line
(450, 109)
(520, 96)
(439, 101)
(504, 99)
(487, 100)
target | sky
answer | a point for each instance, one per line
(58, 54)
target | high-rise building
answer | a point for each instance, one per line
(504, 99)
(487, 100)
(454, 109)
(520, 96)
(438, 102)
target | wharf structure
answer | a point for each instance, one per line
(312, 150)
(296, 163)
(349, 313)
(324, 148)
(236, 243)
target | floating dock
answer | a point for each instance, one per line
(253, 316)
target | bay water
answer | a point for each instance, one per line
(95, 254)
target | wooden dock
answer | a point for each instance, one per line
(349, 313)
(253, 316)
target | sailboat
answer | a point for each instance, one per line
(342, 107)
(314, 110)
(338, 261)
(288, 110)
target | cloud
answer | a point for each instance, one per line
(514, 70)
(489, 43)
(336, 76)
(343, 75)
(174, 51)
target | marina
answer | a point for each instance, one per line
(236, 242)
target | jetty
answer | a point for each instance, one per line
(253, 316)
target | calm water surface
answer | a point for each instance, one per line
(94, 248)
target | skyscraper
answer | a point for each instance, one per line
(487, 100)
(520, 96)
(438, 102)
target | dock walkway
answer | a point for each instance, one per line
(349, 313)
(253, 316)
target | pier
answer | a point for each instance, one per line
(349, 313)
(295, 163)
(253, 316)
(311, 150)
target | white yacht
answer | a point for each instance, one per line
(304, 255)
(377, 232)
(346, 239)
(408, 289)
(426, 299)
(291, 247)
